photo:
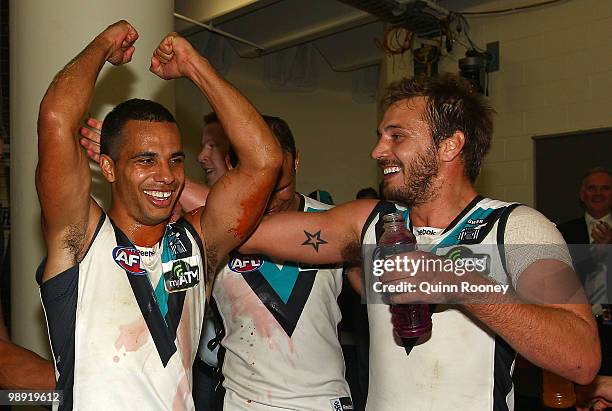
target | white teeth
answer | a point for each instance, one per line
(389, 170)
(161, 195)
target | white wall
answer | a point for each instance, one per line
(555, 76)
(334, 134)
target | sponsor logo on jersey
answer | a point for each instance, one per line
(426, 231)
(245, 264)
(146, 253)
(182, 276)
(128, 258)
(481, 263)
(341, 404)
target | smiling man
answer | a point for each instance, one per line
(124, 290)
(263, 303)
(596, 197)
(432, 140)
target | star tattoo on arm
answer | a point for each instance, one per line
(314, 240)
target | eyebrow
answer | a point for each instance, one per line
(151, 154)
(395, 127)
(179, 154)
(392, 127)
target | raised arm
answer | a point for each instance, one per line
(63, 178)
(327, 237)
(236, 203)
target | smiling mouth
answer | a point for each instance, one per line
(391, 170)
(159, 198)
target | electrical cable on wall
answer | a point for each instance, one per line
(396, 41)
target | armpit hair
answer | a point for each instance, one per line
(211, 264)
(351, 254)
(73, 241)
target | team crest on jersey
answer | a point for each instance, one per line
(245, 263)
(128, 258)
(471, 232)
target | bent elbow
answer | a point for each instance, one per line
(270, 160)
(587, 370)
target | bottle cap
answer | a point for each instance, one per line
(393, 217)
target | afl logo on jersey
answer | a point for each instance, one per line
(245, 263)
(128, 258)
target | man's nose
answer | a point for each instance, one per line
(380, 150)
(164, 174)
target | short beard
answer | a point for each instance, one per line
(420, 187)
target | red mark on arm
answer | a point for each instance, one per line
(251, 212)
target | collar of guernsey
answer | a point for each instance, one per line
(474, 211)
(161, 295)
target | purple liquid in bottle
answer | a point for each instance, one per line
(409, 320)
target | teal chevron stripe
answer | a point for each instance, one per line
(281, 280)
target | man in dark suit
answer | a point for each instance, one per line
(596, 224)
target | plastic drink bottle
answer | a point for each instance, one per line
(409, 320)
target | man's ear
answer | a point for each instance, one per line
(296, 161)
(451, 147)
(228, 162)
(107, 166)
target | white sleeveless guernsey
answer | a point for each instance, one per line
(280, 350)
(464, 366)
(120, 340)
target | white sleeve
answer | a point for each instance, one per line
(530, 237)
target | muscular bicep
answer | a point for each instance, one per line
(63, 179)
(315, 238)
(63, 182)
